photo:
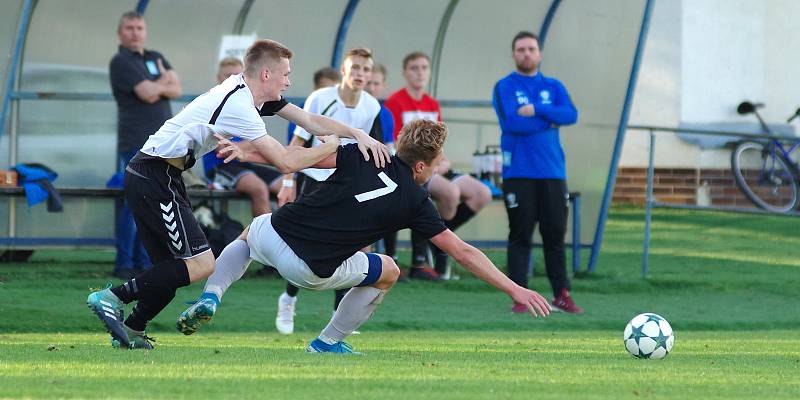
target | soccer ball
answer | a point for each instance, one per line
(648, 335)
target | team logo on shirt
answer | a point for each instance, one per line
(522, 97)
(545, 96)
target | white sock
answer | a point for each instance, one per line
(229, 268)
(355, 309)
(286, 299)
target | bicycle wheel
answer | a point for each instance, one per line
(765, 177)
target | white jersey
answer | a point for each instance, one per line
(226, 109)
(326, 101)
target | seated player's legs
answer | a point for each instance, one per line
(446, 194)
(474, 197)
(474, 193)
(271, 176)
(240, 177)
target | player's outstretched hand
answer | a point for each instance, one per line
(227, 149)
(537, 305)
(367, 143)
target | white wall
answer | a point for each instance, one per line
(702, 58)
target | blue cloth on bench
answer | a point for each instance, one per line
(37, 180)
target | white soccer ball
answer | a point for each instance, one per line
(648, 335)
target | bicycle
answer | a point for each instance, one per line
(764, 169)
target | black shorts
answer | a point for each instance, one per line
(228, 175)
(161, 209)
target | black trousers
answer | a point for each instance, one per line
(532, 201)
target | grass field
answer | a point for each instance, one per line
(728, 284)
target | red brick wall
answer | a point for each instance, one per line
(678, 186)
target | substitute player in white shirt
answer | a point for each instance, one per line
(157, 196)
(350, 104)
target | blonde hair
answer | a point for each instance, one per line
(421, 140)
(262, 52)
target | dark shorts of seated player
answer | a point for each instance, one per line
(267, 247)
(450, 175)
(161, 209)
(228, 175)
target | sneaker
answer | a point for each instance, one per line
(519, 308)
(138, 340)
(318, 346)
(564, 303)
(109, 309)
(195, 316)
(423, 272)
(284, 321)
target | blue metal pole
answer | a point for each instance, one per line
(623, 122)
(341, 34)
(19, 43)
(648, 206)
(142, 6)
(548, 19)
(576, 233)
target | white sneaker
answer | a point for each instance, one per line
(284, 322)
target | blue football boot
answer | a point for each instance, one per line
(109, 309)
(196, 315)
(318, 346)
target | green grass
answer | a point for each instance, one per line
(728, 284)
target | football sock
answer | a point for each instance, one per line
(340, 293)
(291, 290)
(156, 288)
(390, 244)
(356, 308)
(229, 267)
(419, 249)
(463, 214)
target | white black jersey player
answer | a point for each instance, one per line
(314, 243)
(157, 196)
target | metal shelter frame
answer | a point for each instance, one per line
(9, 112)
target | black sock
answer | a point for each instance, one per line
(419, 249)
(439, 259)
(155, 289)
(128, 291)
(292, 290)
(463, 214)
(390, 244)
(339, 296)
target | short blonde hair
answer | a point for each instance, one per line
(262, 52)
(230, 62)
(421, 140)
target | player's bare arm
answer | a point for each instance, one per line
(267, 150)
(320, 125)
(476, 262)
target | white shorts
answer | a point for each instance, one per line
(267, 247)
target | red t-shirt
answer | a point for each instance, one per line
(405, 109)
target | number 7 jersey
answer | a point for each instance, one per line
(355, 207)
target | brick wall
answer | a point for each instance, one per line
(679, 186)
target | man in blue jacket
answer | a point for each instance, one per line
(531, 108)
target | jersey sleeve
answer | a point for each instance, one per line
(124, 75)
(271, 108)
(312, 106)
(427, 222)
